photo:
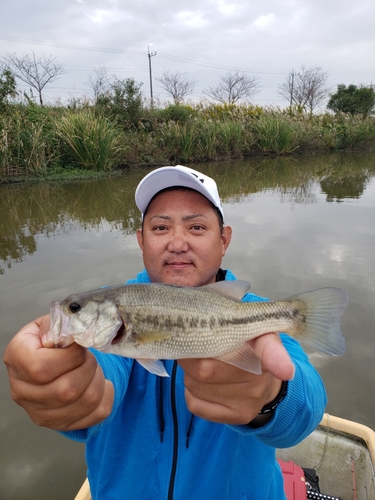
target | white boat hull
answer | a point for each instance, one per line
(342, 453)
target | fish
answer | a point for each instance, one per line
(153, 322)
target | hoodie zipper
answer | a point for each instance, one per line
(175, 432)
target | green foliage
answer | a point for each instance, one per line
(230, 111)
(41, 142)
(177, 113)
(353, 100)
(123, 102)
(27, 144)
(204, 140)
(94, 141)
(276, 134)
(7, 87)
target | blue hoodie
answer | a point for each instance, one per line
(152, 447)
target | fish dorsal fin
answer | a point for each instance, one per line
(235, 289)
(244, 358)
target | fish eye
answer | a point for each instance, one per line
(74, 307)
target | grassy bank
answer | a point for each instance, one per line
(60, 142)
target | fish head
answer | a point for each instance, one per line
(87, 320)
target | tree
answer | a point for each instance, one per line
(98, 81)
(177, 85)
(306, 88)
(7, 87)
(353, 100)
(123, 100)
(233, 87)
(34, 71)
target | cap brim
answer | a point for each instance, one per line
(166, 177)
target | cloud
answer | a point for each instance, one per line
(204, 40)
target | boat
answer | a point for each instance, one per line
(335, 462)
(342, 453)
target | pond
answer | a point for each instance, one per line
(298, 224)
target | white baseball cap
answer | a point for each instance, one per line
(166, 177)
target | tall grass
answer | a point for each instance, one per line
(94, 141)
(276, 134)
(205, 140)
(35, 141)
(25, 144)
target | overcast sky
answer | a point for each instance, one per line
(202, 38)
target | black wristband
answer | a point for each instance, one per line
(270, 407)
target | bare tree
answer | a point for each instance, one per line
(35, 71)
(177, 85)
(98, 81)
(307, 88)
(233, 87)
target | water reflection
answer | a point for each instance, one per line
(58, 209)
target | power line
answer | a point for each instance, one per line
(69, 45)
(199, 63)
(131, 51)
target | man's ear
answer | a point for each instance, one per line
(226, 237)
(140, 238)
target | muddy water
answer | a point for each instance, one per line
(298, 224)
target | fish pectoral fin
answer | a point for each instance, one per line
(243, 358)
(147, 337)
(235, 289)
(154, 366)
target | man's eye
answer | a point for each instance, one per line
(160, 228)
(196, 228)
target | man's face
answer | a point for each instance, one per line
(181, 239)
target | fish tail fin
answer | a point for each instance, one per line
(318, 319)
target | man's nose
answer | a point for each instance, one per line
(178, 242)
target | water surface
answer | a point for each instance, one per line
(298, 224)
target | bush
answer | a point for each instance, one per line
(27, 144)
(94, 141)
(353, 100)
(123, 102)
(177, 113)
(276, 134)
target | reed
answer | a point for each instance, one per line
(38, 141)
(201, 140)
(25, 143)
(95, 142)
(276, 134)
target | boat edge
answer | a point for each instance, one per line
(353, 428)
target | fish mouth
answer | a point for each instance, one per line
(56, 335)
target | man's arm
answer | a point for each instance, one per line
(216, 392)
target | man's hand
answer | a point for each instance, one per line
(63, 389)
(220, 392)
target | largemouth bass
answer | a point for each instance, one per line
(150, 322)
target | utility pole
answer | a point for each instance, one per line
(150, 54)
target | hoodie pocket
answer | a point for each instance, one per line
(243, 496)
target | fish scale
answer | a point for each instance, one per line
(211, 336)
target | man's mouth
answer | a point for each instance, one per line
(179, 264)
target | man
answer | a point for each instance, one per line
(211, 429)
